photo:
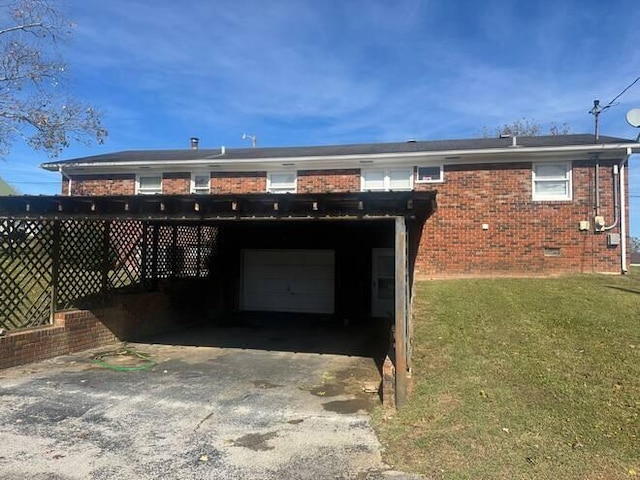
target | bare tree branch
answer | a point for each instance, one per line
(33, 104)
(21, 27)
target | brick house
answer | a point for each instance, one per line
(339, 232)
(526, 205)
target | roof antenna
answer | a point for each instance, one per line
(253, 138)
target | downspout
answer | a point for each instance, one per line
(597, 186)
(616, 203)
(623, 215)
(68, 178)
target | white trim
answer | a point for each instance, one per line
(148, 174)
(287, 188)
(417, 173)
(192, 182)
(538, 197)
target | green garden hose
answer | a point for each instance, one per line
(146, 361)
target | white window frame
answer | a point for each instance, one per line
(192, 184)
(283, 188)
(144, 191)
(538, 197)
(438, 180)
(386, 180)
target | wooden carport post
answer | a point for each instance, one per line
(401, 311)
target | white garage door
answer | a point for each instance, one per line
(288, 281)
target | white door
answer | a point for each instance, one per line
(288, 281)
(383, 286)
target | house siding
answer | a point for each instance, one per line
(320, 181)
(238, 182)
(176, 183)
(452, 242)
(100, 184)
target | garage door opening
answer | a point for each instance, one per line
(303, 286)
(294, 280)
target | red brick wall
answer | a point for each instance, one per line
(176, 183)
(101, 184)
(500, 195)
(452, 240)
(321, 181)
(127, 317)
(238, 182)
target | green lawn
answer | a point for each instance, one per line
(522, 378)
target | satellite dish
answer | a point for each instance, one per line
(633, 117)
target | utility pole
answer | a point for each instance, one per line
(596, 111)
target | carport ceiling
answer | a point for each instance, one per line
(217, 207)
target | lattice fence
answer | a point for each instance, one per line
(180, 251)
(86, 258)
(26, 253)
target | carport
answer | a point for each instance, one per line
(341, 258)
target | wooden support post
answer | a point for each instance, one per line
(55, 268)
(401, 317)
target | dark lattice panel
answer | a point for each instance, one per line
(179, 251)
(82, 261)
(25, 273)
(165, 251)
(126, 245)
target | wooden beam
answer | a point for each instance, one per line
(401, 317)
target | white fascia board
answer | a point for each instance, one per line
(489, 155)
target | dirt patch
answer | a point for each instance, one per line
(349, 406)
(255, 441)
(328, 390)
(265, 384)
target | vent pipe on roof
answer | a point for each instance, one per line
(222, 150)
(194, 143)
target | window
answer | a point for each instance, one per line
(385, 180)
(200, 183)
(281, 182)
(432, 174)
(149, 184)
(552, 181)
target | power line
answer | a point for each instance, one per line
(621, 93)
(597, 109)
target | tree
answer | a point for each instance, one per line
(525, 127)
(33, 103)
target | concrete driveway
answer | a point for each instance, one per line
(253, 404)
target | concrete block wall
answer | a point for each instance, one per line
(523, 236)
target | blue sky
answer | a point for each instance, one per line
(322, 72)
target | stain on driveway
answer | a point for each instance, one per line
(200, 413)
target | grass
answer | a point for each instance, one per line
(522, 378)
